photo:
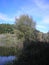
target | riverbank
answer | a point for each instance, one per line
(6, 51)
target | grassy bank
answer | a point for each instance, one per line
(6, 51)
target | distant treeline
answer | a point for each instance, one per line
(6, 28)
(24, 28)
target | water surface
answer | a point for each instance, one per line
(5, 59)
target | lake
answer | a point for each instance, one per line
(5, 59)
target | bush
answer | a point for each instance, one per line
(35, 53)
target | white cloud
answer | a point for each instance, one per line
(41, 4)
(46, 20)
(4, 17)
(41, 26)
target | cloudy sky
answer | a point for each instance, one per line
(38, 9)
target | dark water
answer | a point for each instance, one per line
(5, 59)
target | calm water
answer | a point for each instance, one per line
(5, 59)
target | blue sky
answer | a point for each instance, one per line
(38, 9)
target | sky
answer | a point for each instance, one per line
(37, 9)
